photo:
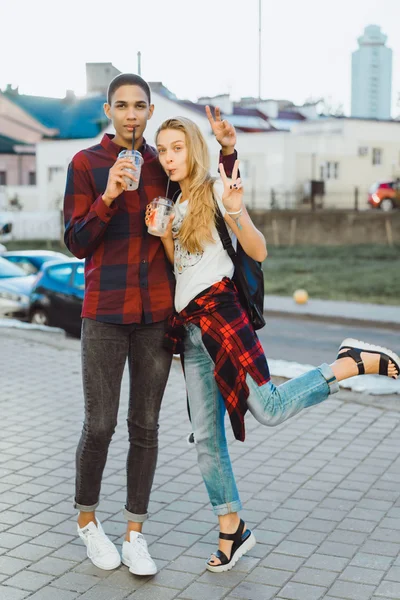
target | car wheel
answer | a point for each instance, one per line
(386, 204)
(39, 317)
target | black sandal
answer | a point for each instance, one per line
(355, 347)
(242, 543)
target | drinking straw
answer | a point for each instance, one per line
(133, 138)
(166, 193)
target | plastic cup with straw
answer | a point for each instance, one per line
(162, 209)
(137, 160)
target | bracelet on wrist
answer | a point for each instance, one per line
(238, 212)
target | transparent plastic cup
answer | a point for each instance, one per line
(137, 159)
(162, 209)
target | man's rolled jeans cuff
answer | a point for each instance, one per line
(330, 378)
(84, 508)
(135, 518)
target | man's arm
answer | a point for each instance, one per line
(85, 219)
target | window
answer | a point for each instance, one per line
(24, 264)
(377, 156)
(52, 171)
(363, 151)
(32, 178)
(3, 178)
(60, 273)
(244, 169)
(336, 170)
(332, 170)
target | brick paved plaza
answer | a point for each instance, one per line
(321, 492)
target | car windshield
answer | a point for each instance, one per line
(7, 269)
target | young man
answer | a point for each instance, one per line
(129, 289)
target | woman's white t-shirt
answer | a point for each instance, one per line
(196, 272)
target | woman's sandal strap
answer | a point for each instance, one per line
(383, 365)
(221, 556)
(233, 537)
(236, 538)
(356, 356)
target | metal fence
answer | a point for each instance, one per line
(352, 198)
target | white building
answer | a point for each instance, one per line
(371, 86)
(281, 149)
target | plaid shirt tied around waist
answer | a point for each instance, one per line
(231, 342)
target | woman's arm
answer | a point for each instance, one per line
(168, 244)
(251, 239)
(237, 217)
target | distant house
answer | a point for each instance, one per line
(282, 146)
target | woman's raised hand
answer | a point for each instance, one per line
(232, 196)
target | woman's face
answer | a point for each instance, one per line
(172, 151)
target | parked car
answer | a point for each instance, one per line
(385, 195)
(57, 295)
(31, 261)
(15, 288)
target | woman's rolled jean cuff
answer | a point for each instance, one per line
(135, 518)
(329, 377)
(228, 508)
(84, 508)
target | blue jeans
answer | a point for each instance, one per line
(269, 404)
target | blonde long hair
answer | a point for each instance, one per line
(197, 225)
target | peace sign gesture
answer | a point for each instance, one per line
(224, 131)
(232, 196)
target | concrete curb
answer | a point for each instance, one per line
(351, 313)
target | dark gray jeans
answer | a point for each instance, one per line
(105, 349)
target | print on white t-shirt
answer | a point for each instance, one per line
(198, 271)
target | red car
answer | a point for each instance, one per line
(385, 196)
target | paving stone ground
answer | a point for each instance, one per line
(321, 492)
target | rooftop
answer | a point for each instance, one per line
(73, 117)
(7, 145)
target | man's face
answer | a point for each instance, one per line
(129, 109)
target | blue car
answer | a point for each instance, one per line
(57, 296)
(31, 261)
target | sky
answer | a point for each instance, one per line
(196, 48)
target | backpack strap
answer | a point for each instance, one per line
(224, 235)
(228, 246)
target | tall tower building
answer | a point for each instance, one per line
(371, 85)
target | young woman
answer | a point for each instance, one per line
(224, 364)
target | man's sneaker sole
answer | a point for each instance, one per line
(110, 568)
(127, 563)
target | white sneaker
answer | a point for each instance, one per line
(100, 549)
(135, 555)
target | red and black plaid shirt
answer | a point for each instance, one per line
(231, 342)
(128, 278)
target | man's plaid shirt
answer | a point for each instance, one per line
(128, 278)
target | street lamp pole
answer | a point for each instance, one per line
(259, 49)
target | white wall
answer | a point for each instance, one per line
(37, 225)
(282, 161)
(28, 196)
